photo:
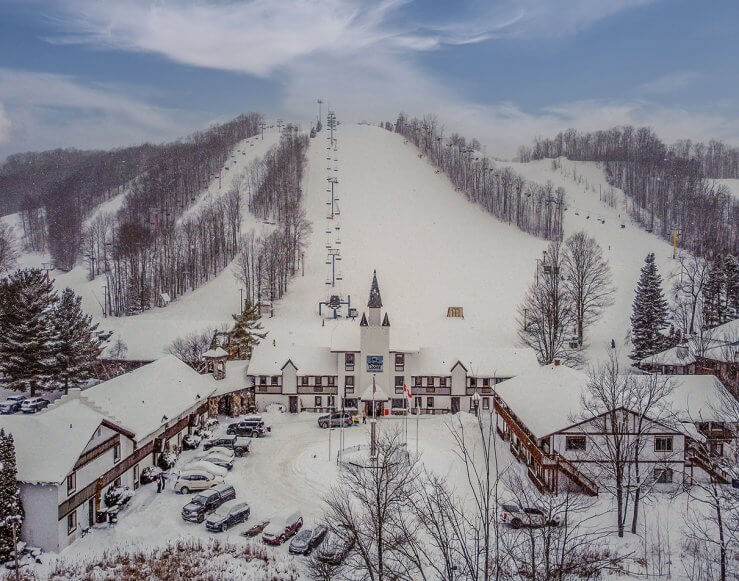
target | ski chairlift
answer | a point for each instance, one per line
(623, 226)
(335, 303)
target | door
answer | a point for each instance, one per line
(293, 402)
(91, 512)
(455, 405)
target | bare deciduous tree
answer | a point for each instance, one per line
(368, 504)
(8, 248)
(545, 317)
(587, 280)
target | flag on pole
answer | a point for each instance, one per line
(407, 391)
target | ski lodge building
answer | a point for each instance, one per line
(86, 442)
(368, 363)
(563, 447)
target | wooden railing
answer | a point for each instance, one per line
(589, 486)
(703, 461)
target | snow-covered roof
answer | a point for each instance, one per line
(216, 353)
(376, 394)
(48, 444)
(694, 398)
(140, 399)
(345, 338)
(545, 399)
(678, 355)
(479, 361)
(267, 359)
(234, 380)
(549, 399)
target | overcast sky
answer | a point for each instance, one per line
(100, 73)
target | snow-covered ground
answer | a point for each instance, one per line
(292, 469)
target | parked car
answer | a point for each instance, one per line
(12, 404)
(253, 531)
(226, 453)
(252, 427)
(33, 404)
(517, 517)
(336, 420)
(307, 540)
(218, 460)
(335, 548)
(239, 445)
(207, 467)
(281, 529)
(206, 502)
(227, 515)
(193, 480)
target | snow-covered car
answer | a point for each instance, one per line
(335, 548)
(218, 460)
(12, 404)
(207, 467)
(219, 451)
(239, 445)
(194, 480)
(307, 540)
(227, 515)
(281, 529)
(516, 516)
(33, 404)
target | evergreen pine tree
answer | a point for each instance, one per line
(76, 344)
(650, 313)
(247, 330)
(11, 508)
(26, 333)
(731, 277)
(713, 293)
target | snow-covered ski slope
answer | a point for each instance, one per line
(433, 249)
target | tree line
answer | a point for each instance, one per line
(669, 187)
(170, 257)
(265, 263)
(56, 190)
(533, 208)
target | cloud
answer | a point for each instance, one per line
(45, 110)
(670, 83)
(362, 55)
(4, 126)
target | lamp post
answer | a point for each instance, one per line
(476, 400)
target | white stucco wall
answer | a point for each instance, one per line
(40, 505)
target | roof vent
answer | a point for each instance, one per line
(457, 312)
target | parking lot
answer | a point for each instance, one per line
(285, 471)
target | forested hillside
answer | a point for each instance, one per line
(535, 209)
(670, 187)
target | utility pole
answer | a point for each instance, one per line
(320, 102)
